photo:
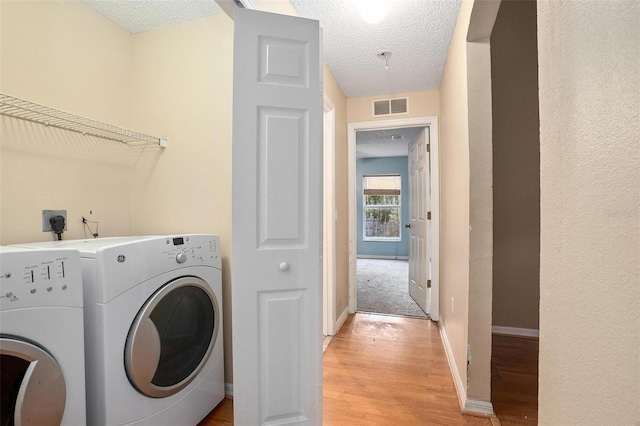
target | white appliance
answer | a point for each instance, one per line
(153, 319)
(41, 338)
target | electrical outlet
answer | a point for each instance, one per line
(453, 306)
(48, 214)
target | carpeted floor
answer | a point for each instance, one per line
(383, 287)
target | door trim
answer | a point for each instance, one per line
(432, 124)
(329, 325)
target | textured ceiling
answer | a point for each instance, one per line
(416, 32)
(385, 143)
(137, 16)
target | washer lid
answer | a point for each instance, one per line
(33, 387)
(172, 337)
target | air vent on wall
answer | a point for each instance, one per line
(390, 106)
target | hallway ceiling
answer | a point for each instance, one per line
(416, 32)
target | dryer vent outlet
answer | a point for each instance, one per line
(46, 219)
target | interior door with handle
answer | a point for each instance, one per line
(419, 242)
(277, 220)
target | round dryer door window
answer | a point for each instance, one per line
(172, 337)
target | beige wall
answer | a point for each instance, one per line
(454, 194)
(590, 212)
(165, 82)
(516, 166)
(64, 55)
(182, 83)
(421, 104)
(334, 92)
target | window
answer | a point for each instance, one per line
(381, 207)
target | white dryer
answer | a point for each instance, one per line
(41, 338)
(153, 318)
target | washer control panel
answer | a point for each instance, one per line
(39, 278)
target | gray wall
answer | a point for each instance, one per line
(516, 162)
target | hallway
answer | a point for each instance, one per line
(383, 370)
(387, 370)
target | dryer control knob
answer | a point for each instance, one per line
(181, 257)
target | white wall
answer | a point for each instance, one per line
(589, 78)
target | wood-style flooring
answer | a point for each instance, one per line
(514, 379)
(383, 370)
(386, 370)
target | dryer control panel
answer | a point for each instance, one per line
(193, 250)
(39, 278)
(120, 267)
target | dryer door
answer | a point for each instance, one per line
(172, 337)
(33, 388)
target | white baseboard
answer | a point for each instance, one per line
(373, 256)
(476, 407)
(467, 405)
(341, 319)
(228, 389)
(461, 389)
(513, 331)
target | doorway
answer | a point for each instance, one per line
(383, 288)
(384, 208)
(431, 125)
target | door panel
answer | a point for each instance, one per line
(419, 227)
(277, 220)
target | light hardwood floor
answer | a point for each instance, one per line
(383, 370)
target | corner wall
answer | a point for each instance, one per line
(467, 204)
(454, 199)
(590, 212)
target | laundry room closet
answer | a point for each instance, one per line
(173, 82)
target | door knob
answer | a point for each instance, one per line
(408, 225)
(284, 266)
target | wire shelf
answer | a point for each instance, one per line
(36, 113)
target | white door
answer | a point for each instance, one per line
(277, 220)
(419, 243)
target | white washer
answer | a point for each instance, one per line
(153, 318)
(41, 338)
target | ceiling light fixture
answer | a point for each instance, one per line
(385, 55)
(373, 11)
